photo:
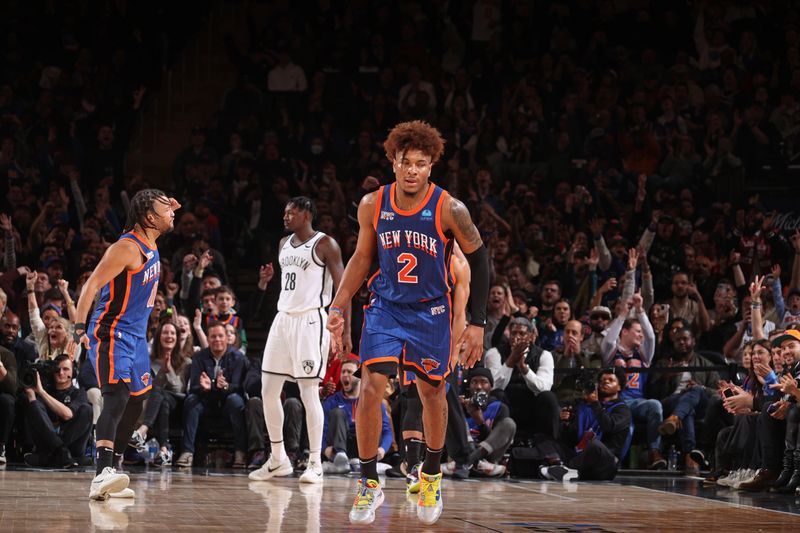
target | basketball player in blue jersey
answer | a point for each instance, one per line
(116, 337)
(410, 225)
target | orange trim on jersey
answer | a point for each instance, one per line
(438, 218)
(381, 360)
(417, 209)
(144, 239)
(139, 393)
(371, 279)
(378, 205)
(144, 254)
(114, 326)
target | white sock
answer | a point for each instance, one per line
(315, 418)
(271, 387)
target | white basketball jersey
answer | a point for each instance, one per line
(305, 281)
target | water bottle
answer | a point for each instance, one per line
(672, 459)
(152, 450)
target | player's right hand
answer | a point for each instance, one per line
(472, 338)
(336, 327)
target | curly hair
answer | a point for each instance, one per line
(142, 204)
(414, 135)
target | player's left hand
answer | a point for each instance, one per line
(174, 204)
(472, 338)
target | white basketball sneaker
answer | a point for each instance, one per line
(270, 470)
(313, 473)
(106, 482)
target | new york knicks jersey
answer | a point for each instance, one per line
(127, 300)
(413, 252)
(306, 283)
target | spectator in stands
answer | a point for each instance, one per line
(171, 370)
(684, 395)
(551, 336)
(599, 318)
(58, 418)
(9, 338)
(222, 392)
(630, 343)
(571, 357)
(8, 398)
(490, 424)
(687, 303)
(339, 432)
(524, 371)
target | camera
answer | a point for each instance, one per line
(480, 399)
(46, 369)
(586, 382)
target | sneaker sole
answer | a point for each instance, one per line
(371, 518)
(113, 486)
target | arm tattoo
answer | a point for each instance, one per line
(460, 214)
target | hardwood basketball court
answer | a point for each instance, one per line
(208, 500)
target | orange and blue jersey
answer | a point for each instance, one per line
(635, 383)
(127, 300)
(410, 308)
(229, 318)
(413, 251)
(117, 331)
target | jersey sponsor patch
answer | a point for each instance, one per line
(426, 215)
(308, 366)
(429, 364)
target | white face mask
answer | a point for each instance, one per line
(316, 149)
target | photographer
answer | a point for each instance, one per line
(525, 372)
(8, 391)
(598, 433)
(58, 418)
(489, 424)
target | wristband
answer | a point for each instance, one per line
(336, 309)
(80, 326)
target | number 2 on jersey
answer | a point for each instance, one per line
(404, 276)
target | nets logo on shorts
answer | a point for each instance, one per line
(429, 364)
(308, 366)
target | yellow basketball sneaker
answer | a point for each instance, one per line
(429, 505)
(369, 498)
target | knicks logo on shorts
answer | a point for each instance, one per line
(145, 378)
(429, 364)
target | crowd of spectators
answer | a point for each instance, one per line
(606, 150)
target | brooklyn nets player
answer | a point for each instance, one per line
(297, 346)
